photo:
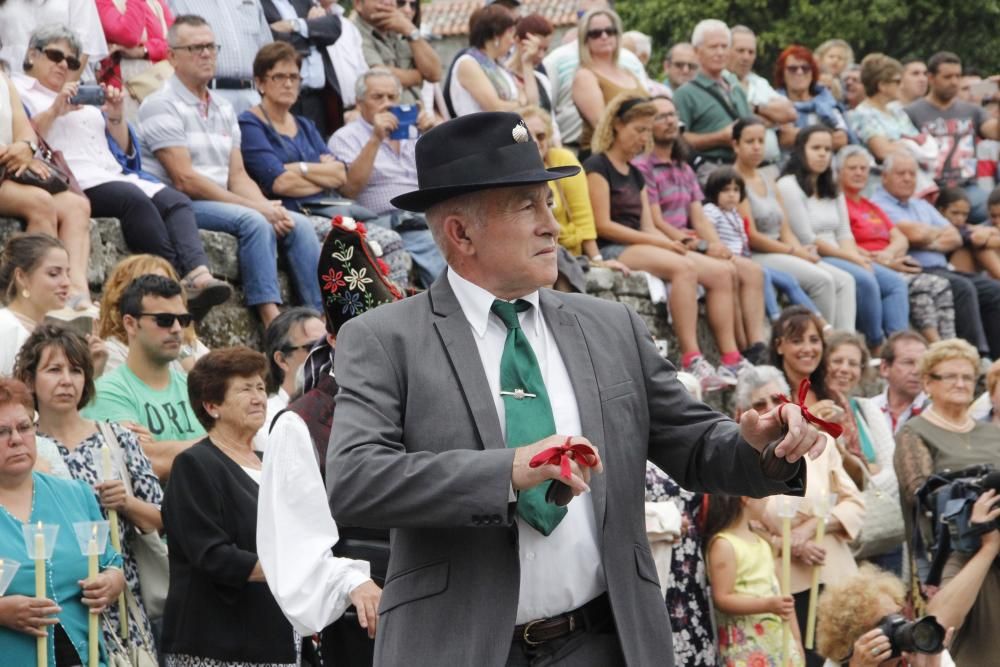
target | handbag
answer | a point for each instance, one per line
(56, 182)
(150, 80)
(55, 158)
(883, 528)
(120, 655)
(149, 551)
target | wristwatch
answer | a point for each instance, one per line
(414, 35)
(32, 145)
(304, 168)
(701, 246)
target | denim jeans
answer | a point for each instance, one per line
(977, 203)
(418, 241)
(779, 281)
(258, 251)
(883, 300)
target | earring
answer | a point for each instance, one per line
(25, 293)
(496, 43)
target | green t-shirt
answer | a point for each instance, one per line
(121, 396)
(702, 112)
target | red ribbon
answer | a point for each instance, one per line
(562, 455)
(833, 429)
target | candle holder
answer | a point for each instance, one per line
(8, 568)
(92, 536)
(47, 531)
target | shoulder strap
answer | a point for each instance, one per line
(446, 89)
(726, 104)
(117, 452)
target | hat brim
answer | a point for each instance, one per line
(419, 201)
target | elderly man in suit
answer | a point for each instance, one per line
(446, 397)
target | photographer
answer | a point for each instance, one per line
(853, 619)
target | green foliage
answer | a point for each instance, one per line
(897, 27)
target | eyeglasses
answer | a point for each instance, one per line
(953, 378)
(308, 345)
(762, 404)
(601, 32)
(57, 56)
(686, 66)
(798, 69)
(166, 320)
(294, 79)
(196, 49)
(23, 429)
(403, 3)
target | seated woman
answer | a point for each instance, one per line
(478, 80)
(932, 308)
(945, 437)
(600, 78)
(817, 212)
(65, 215)
(34, 281)
(29, 498)
(883, 127)
(848, 617)
(980, 251)
(219, 609)
(55, 365)
(284, 152)
(110, 326)
(759, 389)
(772, 242)
(626, 232)
(796, 76)
(155, 218)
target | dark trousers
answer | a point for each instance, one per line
(164, 225)
(977, 309)
(346, 644)
(587, 647)
(813, 659)
(323, 107)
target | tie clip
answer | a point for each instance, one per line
(518, 394)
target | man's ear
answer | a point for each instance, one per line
(131, 324)
(279, 359)
(456, 233)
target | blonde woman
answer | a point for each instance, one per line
(626, 232)
(110, 325)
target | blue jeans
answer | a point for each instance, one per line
(258, 251)
(789, 286)
(418, 241)
(977, 203)
(883, 300)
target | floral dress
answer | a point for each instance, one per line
(688, 596)
(84, 463)
(753, 640)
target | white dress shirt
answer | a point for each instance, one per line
(295, 533)
(564, 570)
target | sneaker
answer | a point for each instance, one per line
(756, 353)
(737, 368)
(729, 374)
(707, 375)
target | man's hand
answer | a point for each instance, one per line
(365, 599)
(283, 26)
(802, 438)
(984, 510)
(392, 20)
(316, 12)
(28, 615)
(383, 124)
(277, 215)
(425, 121)
(142, 434)
(523, 476)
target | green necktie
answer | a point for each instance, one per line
(528, 411)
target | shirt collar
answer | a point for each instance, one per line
(185, 94)
(476, 303)
(902, 203)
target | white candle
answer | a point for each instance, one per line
(92, 642)
(41, 642)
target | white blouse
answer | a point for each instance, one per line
(14, 333)
(461, 99)
(80, 135)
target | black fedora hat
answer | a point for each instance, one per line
(479, 151)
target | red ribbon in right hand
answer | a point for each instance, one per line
(562, 455)
(833, 429)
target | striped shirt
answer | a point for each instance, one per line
(729, 226)
(174, 117)
(670, 185)
(392, 174)
(239, 27)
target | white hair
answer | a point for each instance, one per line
(702, 30)
(642, 42)
(894, 157)
(846, 153)
(755, 377)
(742, 30)
(361, 84)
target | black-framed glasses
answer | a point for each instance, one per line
(403, 3)
(308, 345)
(283, 78)
(798, 69)
(594, 33)
(196, 49)
(57, 56)
(166, 320)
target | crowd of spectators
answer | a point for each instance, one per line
(826, 218)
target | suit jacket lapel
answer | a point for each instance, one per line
(456, 335)
(565, 326)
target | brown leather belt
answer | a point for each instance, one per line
(595, 613)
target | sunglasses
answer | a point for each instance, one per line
(57, 56)
(601, 32)
(799, 69)
(403, 3)
(762, 404)
(166, 320)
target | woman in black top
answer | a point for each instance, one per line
(219, 611)
(626, 232)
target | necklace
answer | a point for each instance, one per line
(940, 420)
(236, 454)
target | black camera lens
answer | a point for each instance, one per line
(924, 635)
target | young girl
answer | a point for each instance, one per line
(724, 191)
(749, 607)
(981, 243)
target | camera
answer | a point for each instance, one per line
(924, 635)
(89, 95)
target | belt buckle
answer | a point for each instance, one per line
(527, 629)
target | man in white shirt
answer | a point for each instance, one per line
(903, 397)
(438, 393)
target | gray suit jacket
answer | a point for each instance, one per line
(416, 447)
